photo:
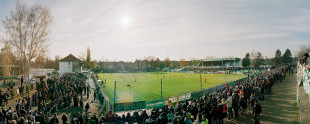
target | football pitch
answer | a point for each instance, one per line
(132, 87)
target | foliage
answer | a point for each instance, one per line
(246, 61)
(167, 63)
(303, 49)
(256, 58)
(39, 62)
(7, 59)
(182, 62)
(287, 57)
(88, 63)
(278, 58)
(27, 30)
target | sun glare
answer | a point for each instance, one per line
(125, 20)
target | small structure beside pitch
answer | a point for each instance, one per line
(70, 64)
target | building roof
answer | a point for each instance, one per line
(220, 59)
(40, 75)
(70, 58)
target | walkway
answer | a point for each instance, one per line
(279, 107)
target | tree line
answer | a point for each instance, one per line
(256, 59)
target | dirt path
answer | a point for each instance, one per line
(279, 107)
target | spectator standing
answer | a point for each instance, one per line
(110, 117)
(257, 110)
(229, 105)
(21, 81)
(87, 108)
(64, 118)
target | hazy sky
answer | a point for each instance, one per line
(130, 29)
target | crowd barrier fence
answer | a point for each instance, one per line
(171, 100)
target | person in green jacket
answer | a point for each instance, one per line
(92, 120)
(204, 120)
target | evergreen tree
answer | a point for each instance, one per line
(278, 57)
(287, 57)
(88, 64)
(246, 60)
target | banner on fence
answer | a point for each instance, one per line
(197, 94)
(185, 96)
(155, 104)
(174, 98)
(129, 106)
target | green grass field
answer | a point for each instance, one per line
(146, 86)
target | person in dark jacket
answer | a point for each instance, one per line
(257, 111)
(262, 90)
(102, 120)
(96, 119)
(304, 58)
(235, 104)
(243, 104)
(87, 108)
(215, 114)
(195, 111)
(220, 107)
(54, 120)
(81, 120)
(64, 118)
(252, 100)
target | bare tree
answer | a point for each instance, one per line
(257, 58)
(167, 62)
(182, 62)
(303, 49)
(40, 62)
(6, 57)
(26, 29)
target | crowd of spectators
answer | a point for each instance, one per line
(67, 91)
(58, 92)
(214, 108)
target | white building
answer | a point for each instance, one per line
(41, 71)
(70, 64)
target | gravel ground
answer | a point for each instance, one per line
(278, 108)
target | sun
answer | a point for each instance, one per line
(125, 20)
